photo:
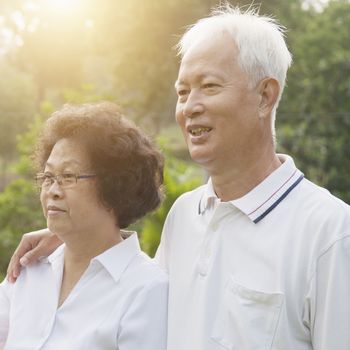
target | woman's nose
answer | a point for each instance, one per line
(55, 190)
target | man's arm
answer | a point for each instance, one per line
(33, 245)
(330, 298)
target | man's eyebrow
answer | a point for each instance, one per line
(200, 77)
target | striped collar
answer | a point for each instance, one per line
(262, 199)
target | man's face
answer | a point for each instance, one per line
(217, 109)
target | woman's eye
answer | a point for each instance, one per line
(68, 176)
(48, 176)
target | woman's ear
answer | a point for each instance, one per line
(268, 89)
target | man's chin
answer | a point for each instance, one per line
(199, 157)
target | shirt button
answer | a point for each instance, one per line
(207, 253)
(202, 269)
(214, 226)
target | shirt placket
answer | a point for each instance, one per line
(57, 272)
(90, 272)
(212, 232)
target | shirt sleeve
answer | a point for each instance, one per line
(330, 298)
(5, 291)
(144, 326)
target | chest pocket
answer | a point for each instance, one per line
(247, 319)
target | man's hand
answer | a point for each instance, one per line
(33, 245)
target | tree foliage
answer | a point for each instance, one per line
(19, 202)
(18, 99)
(315, 113)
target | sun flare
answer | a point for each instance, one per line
(63, 5)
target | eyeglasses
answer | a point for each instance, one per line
(67, 180)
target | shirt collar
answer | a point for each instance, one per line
(117, 258)
(208, 198)
(262, 199)
(114, 260)
(56, 257)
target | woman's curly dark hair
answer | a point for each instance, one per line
(129, 168)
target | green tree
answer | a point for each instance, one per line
(19, 202)
(315, 112)
(18, 104)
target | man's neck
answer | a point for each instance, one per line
(236, 181)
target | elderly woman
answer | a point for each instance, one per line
(98, 174)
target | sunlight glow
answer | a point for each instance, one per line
(63, 5)
(89, 23)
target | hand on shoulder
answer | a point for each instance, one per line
(32, 246)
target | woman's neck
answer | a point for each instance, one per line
(78, 253)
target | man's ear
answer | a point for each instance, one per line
(268, 89)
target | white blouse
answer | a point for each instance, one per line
(120, 302)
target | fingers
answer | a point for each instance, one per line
(30, 257)
(14, 267)
(23, 255)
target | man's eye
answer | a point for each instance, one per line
(182, 92)
(209, 85)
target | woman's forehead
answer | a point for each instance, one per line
(63, 163)
(68, 152)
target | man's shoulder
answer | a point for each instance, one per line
(322, 196)
(190, 196)
(186, 204)
(319, 203)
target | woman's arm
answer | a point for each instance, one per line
(145, 324)
(33, 246)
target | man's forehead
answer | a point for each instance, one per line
(207, 61)
(215, 43)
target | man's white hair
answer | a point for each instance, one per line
(262, 51)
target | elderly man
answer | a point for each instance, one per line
(259, 257)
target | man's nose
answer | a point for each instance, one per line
(194, 105)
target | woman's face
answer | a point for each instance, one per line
(74, 209)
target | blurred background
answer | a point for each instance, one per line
(58, 51)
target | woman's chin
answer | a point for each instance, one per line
(59, 229)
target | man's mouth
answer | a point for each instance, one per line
(199, 131)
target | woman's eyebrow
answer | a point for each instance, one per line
(64, 163)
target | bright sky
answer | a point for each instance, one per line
(9, 40)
